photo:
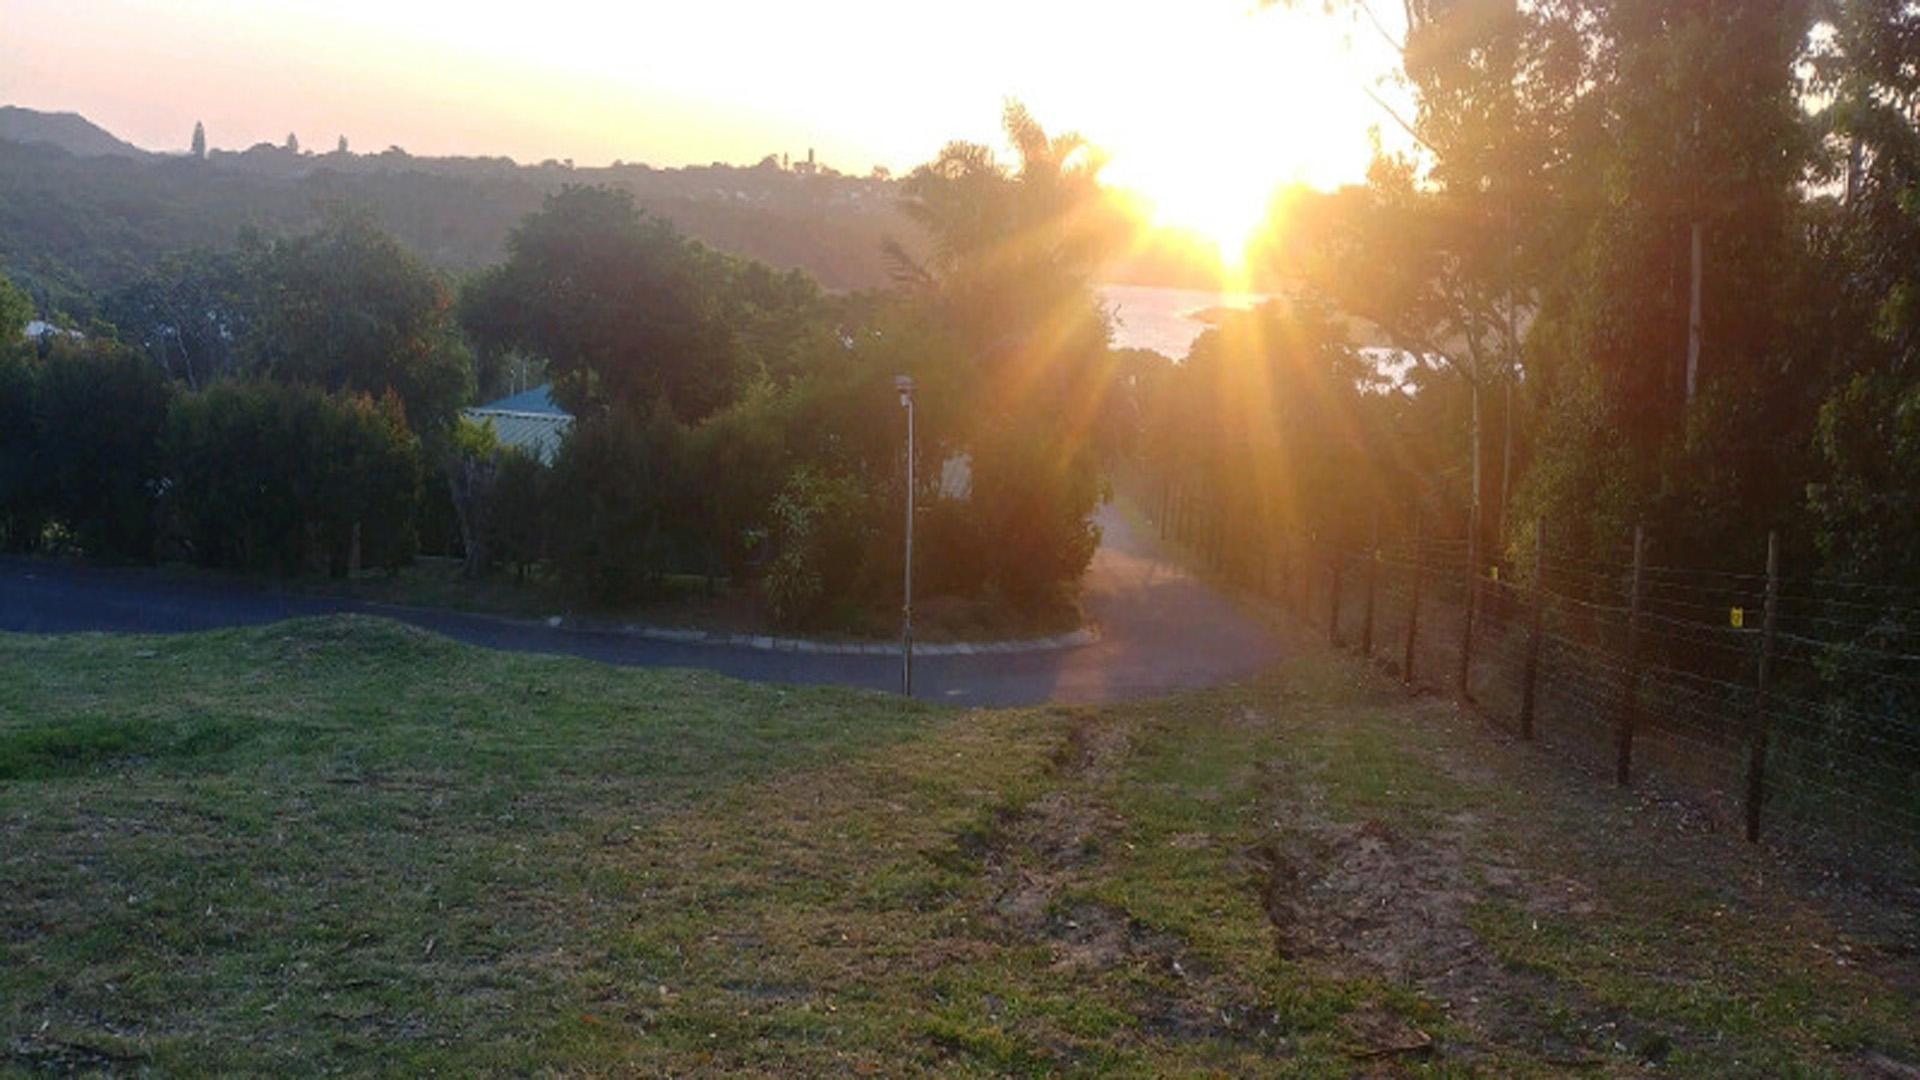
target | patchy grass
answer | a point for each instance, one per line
(341, 842)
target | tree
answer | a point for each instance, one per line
(287, 478)
(22, 494)
(623, 309)
(1693, 130)
(1864, 498)
(293, 143)
(16, 311)
(346, 308)
(1442, 250)
(191, 312)
(614, 489)
(341, 147)
(199, 145)
(99, 410)
(1013, 250)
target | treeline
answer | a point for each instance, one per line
(102, 454)
(292, 404)
(74, 228)
(1651, 263)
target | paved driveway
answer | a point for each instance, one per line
(1161, 629)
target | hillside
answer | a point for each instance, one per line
(83, 213)
(69, 131)
(79, 217)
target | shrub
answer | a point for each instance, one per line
(100, 411)
(612, 502)
(518, 521)
(21, 493)
(824, 532)
(1033, 502)
(268, 476)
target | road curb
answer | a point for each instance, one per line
(1086, 635)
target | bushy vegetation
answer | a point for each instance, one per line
(277, 405)
(738, 421)
(286, 478)
(99, 414)
(1578, 168)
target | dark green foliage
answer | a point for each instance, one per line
(521, 504)
(75, 227)
(1033, 500)
(274, 477)
(192, 312)
(16, 311)
(1869, 500)
(99, 410)
(824, 528)
(349, 310)
(21, 491)
(625, 310)
(736, 462)
(1865, 495)
(613, 531)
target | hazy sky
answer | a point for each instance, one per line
(1203, 104)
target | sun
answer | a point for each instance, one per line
(1242, 105)
(1224, 212)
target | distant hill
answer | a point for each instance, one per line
(69, 131)
(83, 213)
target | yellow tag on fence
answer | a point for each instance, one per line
(1737, 617)
(1493, 572)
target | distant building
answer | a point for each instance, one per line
(40, 329)
(531, 421)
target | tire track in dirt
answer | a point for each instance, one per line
(1040, 855)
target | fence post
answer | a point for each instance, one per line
(1333, 597)
(1413, 601)
(1757, 736)
(1535, 631)
(1373, 573)
(1464, 680)
(1630, 692)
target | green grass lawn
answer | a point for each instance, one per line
(349, 844)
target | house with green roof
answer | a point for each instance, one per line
(531, 421)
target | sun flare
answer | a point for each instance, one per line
(1267, 100)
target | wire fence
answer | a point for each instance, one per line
(1778, 706)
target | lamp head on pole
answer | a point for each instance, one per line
(904, 384)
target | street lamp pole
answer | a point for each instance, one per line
(905, 385)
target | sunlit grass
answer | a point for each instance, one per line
(341, 842)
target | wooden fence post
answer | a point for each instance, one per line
(1166, 502)
(1532, 676)
(1373, 573)
(1758, 733)
(1463, 682)
(1630, 691)
(1333, 597)
(1413, 602)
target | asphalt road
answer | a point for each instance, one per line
(1160, 630)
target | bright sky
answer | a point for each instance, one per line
(1204, 105)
